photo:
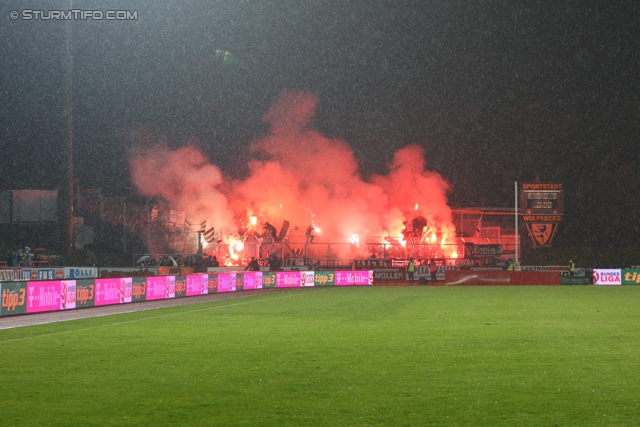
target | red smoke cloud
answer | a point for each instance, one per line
(306, 177)
(183, 177)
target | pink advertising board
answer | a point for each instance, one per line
(252, 280)
(288, 279)
(357, 277)
(197, 284)
(107, 291)
(363, 278)
(226, 282)
(157, 287)
(204, 284)
(43, 296)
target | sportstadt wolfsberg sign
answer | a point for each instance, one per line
(541, 207)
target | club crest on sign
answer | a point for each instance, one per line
(541, 232)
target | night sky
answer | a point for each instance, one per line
(494, 91)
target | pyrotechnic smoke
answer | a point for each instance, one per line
(183, 177)
(304, 177)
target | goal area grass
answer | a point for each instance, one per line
(482, 356)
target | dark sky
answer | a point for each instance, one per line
(494, 91)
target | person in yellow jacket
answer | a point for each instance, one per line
(572, 269)
(411, 268)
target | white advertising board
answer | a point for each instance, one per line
(607, 276)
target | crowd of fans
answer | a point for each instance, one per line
(202, 260)
(20, 257)
(195, 260)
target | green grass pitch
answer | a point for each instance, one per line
(494, 356)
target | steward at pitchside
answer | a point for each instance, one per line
(411, 268)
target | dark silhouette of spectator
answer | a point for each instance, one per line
(215, 262)
(253, 265)
(16, 257)
(308, 234)
(274, 263)
(419, 223)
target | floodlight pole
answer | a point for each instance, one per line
(70, 202)
(148, 226)
(124, 226)
(516, 219)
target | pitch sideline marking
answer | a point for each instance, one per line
(147, 318)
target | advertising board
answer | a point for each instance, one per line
(80, 272)
(252, 280)
(181, 287)
(393, 274)
(197, 284)
(351, 278)
(288, 279)
(606, 276)
(127, 272)
(422, 272)
(630, 276)
(472, 250)
(373, 263)
(107, 291)
(47, 274)
(51, 295)
(324, 278)
(239, 281)
(43, 296)
(307, 278)
(170, 288)
(67, 294)
(269, 279)
(85, 293)
(14, 274)
(139, 289)
(563, 269)
(14, 298)
(157, 287)
(226, 282)
(213, 283)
